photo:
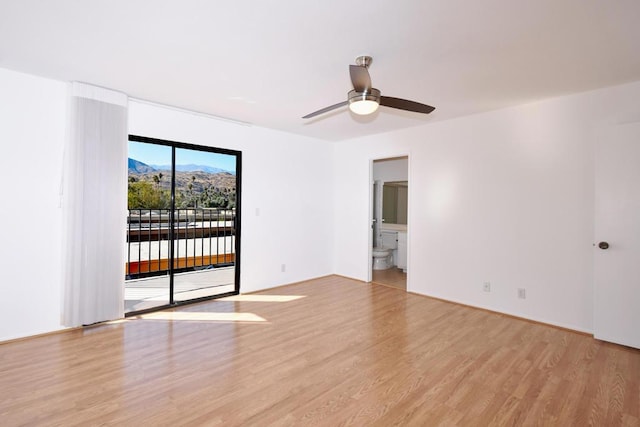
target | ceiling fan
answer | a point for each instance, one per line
(364, 99)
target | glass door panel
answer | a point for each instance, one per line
(205, 220)
(147, 279)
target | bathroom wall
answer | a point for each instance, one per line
(391, 170)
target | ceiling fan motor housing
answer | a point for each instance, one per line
(371, 95)
(365, 102)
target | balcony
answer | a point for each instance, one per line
(203, 244)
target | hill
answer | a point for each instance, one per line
(139, 167)
(203, 180)
(191, 168)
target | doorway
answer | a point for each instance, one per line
(388, 246)
(183, 224)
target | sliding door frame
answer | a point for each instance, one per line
(237, 221)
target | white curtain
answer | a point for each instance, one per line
(94, 206)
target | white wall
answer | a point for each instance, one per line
(504, 197)
(286, 198)
(32, 131)
(391, 170)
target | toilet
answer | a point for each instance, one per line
(383, 254)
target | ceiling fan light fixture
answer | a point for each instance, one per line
(364, 99)
(363, 103)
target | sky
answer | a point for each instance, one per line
(153, 154)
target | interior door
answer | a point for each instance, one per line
(617, 233)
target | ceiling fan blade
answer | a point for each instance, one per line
(360, 78)
(326, 109)
(404, 104)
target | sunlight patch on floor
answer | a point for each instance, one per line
(202, 316)
(263, 298)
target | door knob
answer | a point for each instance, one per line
(603, 245)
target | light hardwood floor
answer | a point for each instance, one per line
(326, 352)
(393, 277)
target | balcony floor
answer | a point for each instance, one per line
(141, 294)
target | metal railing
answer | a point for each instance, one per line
(201, 238)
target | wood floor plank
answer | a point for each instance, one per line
(325, 352)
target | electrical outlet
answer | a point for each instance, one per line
(486, 286)
(283, 268)
(522, 294)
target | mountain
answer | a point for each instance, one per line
(192, 168)
(139, 167)
(205, 176)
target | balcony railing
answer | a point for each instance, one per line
(202, 238)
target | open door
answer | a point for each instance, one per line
(617, 233)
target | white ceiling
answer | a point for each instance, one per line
(271, 62)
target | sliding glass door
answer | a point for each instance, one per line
(183, 224)
(147, 279)
(204, 235)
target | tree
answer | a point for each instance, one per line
(143, 195)
(194, 200)
(157, 178)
